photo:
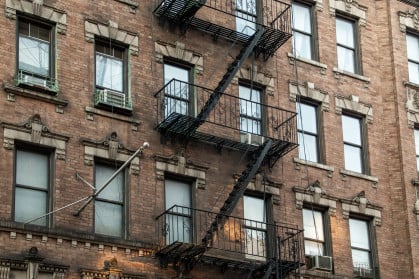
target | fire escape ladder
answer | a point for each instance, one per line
(225, 81)
(238, 189)
(269, 270)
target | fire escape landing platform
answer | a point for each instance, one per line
(226, 125)
(217, 17)
(256, 248)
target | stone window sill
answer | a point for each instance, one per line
(13, 90)
(327, 168)
(90, 111)
(411, 84)
(345, 173)
(131, 3)
(321, 66)
(339, 72)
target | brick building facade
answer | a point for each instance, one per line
(277, 148)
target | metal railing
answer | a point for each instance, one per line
(269, 13)
(237, 237)
(38, 81)
(230, 113)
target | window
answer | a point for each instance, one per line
(111, 74)
(250, 110)
(353, 143)
(246, 16)
(255, 226)
(179, 220)
(360, 244)
(413, 57)
(177, 97)
(35, 54)
(314, 238)
(109, 204)
(32, 186)
(308, 141)
(303, 40)
(417, 147)
(346, 45)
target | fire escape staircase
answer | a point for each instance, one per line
(265, 40)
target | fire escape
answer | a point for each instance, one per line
(214, 117)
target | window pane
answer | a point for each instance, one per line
(250, 110)
(109, 72)
(115, 189)
(108, 218)
(178, 193)
(245, 23)
(307, 120)
(351, 127)
(301, 17)
(33, 55)
(313, 224)
(346, 59)
(412, 47)
(361, 259)
(178, 89)
(307, 147)
(30, 204)
(250, 126)
(254, 209)
(248, 6)
(255, 243)
(345, 32)
(178, 73)
(414, 72)
(32, 169)
(313, 248)
(178, 228)
(302, 45)
(359, 234)
(353, 158)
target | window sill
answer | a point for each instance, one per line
(131, 3)
(13, 90)
(321, 66)
(327, 168)
(339, 72)
(344, 173)
(90, 111)
(411, 84)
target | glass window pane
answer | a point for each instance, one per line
(307, 118)
(346, 59)
(248, 6)
(417, 141)
(178, 228)
(359, 234)
(361, 259)
(108, 218)
(173, 72)
(345, 32)
(351, 127)
(245, 23)
(30, 204)
(313, 248)
(32, 169)
(302, 45)
(255, 243)
(307, 147)
(254, 209)
(301, 17)
(109, 72)
(178, 193)
(353, 158)
(115, 189)
(414, 72)
(313, 224)
(412, 47)
(34, 55)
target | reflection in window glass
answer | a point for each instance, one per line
(360, 243)
(302, 33)
(345, 38)
(255, 226)
(250, 110)
(412, 43)
(246, 16)
(352, 139)
(109, 204)
(313, 232)
(32, 186)
(307, 132)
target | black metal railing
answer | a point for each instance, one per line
(237, 237)
(232, 118)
